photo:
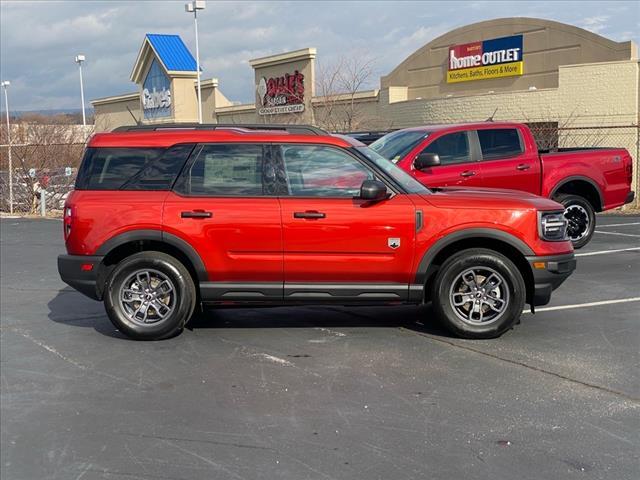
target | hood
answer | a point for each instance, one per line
(489, 198)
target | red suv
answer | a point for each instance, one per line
(165, 219)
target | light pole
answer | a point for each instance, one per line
(79, 60)
(194, 6)
(5, 85)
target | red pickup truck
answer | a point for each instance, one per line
(505, 155)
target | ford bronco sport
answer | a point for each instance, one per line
(165, 219)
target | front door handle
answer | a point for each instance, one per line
(309, 215)
(196, 214)
(468, 173)
(523, 166)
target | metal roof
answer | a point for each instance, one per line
(172, 52)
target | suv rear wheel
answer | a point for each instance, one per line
(478, 293)
(150, 296)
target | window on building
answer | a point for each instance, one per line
(321, 171)
(452, 148)
(500, 143)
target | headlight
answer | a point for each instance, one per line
(552, 226)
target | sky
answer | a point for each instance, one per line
(39, 39)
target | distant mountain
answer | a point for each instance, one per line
(50, 112)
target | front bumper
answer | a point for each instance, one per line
(74, 271)
(546, 279)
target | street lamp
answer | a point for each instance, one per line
(190, 7)
(5, 85)
(79, 60)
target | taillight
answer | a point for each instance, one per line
(629, 167)
(67, 220)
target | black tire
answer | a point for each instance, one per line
(182, 302)
(450, 276)
(581, 216)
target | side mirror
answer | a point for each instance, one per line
(373, 190)
(426, 160)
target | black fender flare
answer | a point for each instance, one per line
(424, 267)
(588, 180)
(157, 236)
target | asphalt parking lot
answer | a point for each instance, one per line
(322, 392)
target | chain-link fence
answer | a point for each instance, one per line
(45, 160)
(38, 168)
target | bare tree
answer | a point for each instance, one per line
(339, 105)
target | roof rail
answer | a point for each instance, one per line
(293, 129)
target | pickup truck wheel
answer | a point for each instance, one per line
(478, 293)
(581, 217)
(150, 296)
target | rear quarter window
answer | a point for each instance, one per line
(131, 168)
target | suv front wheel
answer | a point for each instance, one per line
(150, 296)
(478, 293)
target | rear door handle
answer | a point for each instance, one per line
(468, 173)
(196, 214)
(309, 215)
(523, 166)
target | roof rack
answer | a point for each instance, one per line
(293, 129)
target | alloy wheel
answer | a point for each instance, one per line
(578, 222)
(479, 296)
(147, 297)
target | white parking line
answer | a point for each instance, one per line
(602, 252)
(621, 234)
(585, 305)
(619, 224)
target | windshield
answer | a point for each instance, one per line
(410, 184)
(396, 145)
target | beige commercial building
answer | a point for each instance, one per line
(573, 87)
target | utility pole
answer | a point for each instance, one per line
(194, 6)
(79, 60)
(5, 85)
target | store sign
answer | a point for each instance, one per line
(283, 94)
(156, 93)
(496, 58)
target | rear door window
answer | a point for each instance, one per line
(500, 143)
(226, 170)
(452, 148)
(111, 168)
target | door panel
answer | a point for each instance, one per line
(458, 162)
(353, 242)
(240, 242)
(223, 209)
(337, 246)
(506, 162)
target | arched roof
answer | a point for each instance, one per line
(547, 45)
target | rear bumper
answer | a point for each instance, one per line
(556, 270)
(73, 270)
(630, 197)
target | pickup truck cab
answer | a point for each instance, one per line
(505, 155)
(165, 219)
